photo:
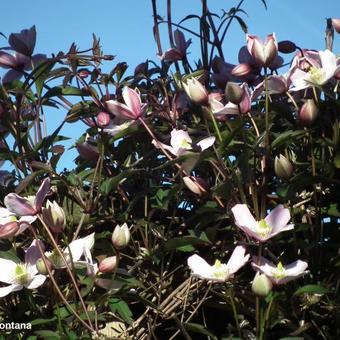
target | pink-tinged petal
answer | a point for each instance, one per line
(263, 265)
(180, 41)
(244, 57)
(276, 63)
(277, 84)
(7, 270)
(41, 194)
(258, 52)
(160, 145)
(8, 230)
(19, 205)
(132, 100)
(23, 42)
(328, 61)
(206, 142)
(119, 109)
(37, 281)
(245, 104)
(7, 60)
(296, 268)
(243, 216)
(199, 267)
(298, 79)
(179, 139)
(237, 260)
(9, 289)
(278, 218)
(11, 75)
(172, 54)
(32, 254)
(251, 40)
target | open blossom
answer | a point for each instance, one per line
(321, 67)
(133, 107)
(219, 272)
(275, 222)
(180, 143)
(11, 226)
(22, 274)
(263, 52)
(279, 274)
(30, 206)
(74, 252)
(179, 51)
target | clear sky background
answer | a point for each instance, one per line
(125, 28)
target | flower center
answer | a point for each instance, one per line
(317, 75)
(279, 272)
(57, 260)
(263, 229)
(7, 219)
(220, 271)
(21, 275)
(185, 144)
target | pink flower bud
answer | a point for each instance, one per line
(308, 112)
(103, 119)
(54, 216)
(261, 285)
(196, 91)
(263, 52)
(286, 46)
(121, 236)
(336, 24)
(83, 73)
(241, 70)
(234, 93)
(196, 185)
(88, 151)
(283, 167)
(108, 265)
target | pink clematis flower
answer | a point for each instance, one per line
(181, 143)
(262, 230)
(319, 69)
(263, 52)
(30, 206)
(20, 275)
(179, 51)
(10, 226)
(133, 107)
(23, 42)
(279, 274)
(219, 272)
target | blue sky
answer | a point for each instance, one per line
(125, 27)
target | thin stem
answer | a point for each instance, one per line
(232, 303)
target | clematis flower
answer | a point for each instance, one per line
(30, 206)
(196, 92)
(316, 73)
(219, 272)
(179, 51)
(24, 42)
(279, 274)
(263, 52)
(10, 226)
(20, 275)
(76, 250)
(181, 143)
(133, 107)
(262, 230)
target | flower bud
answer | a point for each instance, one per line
(234, 93)
(336, 24)
(42, 267)
(54, 217)
(108, 265)
(286, 46)
(283, 167)
(88, 151)
(308, 112)
(196, 185)
(261, 285)
(241, 70)
(103, 119)
(196, 91)
(121, 236)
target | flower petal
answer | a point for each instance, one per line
(278, 218)
(41, 194)
(206, 142)
(19, 205)
(7, 270)
(119, 109)
(199, 267)
(243, 216)
(132, 100)
(9, 289)
(237, 259)
(37, 281)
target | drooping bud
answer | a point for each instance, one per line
(261, 285)
(308, 112)
(336, 24)
(121, 236)
(103, 119)
(108, 265)
(54, 217)
(241, 70)
(286, 46)
(283, 167)
(42, 267)
(196, 185)
(234, 93)
(196, 91)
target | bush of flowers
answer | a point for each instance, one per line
(204, 200)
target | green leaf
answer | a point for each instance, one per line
(49, 335)
(42, 321)
(198, 328)
(286, 137)
(81, 110)
(65, 91)
(40, 73)
(121, 307)
(337, 160)
(311, 289)
(184, 243)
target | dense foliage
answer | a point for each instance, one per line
(238, 164)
